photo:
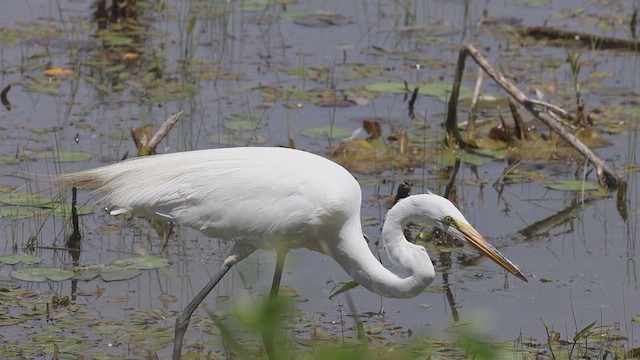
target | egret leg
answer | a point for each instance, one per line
(277, 275)
(267, 336)
(237, 253)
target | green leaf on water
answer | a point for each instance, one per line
(65, 156)
(43, 131)
(8, 160)
(65, 210)
(16, 213)
(118, 274)
(572, 185)
(145, 262)
(441, 91)
(449, 159)
(253, 5)
(321, 19)
(435, 289)
(327, 131)
(86, 274)
(241, 125)
(11, 321)
(394, 87)
(236, 138)
(40, 274)
(25, 199)
(13, 259)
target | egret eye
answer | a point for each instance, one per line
(448, 220)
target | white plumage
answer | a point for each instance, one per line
(278, 198)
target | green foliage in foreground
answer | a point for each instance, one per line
(38, 324)
(242, 328)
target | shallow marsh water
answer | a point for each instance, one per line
(262, 69)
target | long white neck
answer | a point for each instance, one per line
(354, 255)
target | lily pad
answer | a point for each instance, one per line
(43, 131)
(441, 91)
(146, 262)
(13, 259)
(8, 160)
(236, 138)
(86, 274)
(16, 213)
(65, 210)
(241, 125)
(327, 131)
(572, 185)
(322, 19)
(25, 199)
(449, 159)
(11, 321)
(65, 156)
(118, 274)
(40, 274)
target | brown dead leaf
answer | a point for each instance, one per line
(130, 56)
(58, 72)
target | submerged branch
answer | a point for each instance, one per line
(593, 41)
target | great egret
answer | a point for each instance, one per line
(278, 198)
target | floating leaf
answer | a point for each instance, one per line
(435, 289)
(253, 5)
(11, 321)
(16, 213)
(327, 131)
(65, 210)
(449, 159)
(130, 56)
(572, 185)
(146, 262)
(168, 298)
(43, 131)
(241, 125)
(388, 87)
(86, 274)
(64, 156)
(441, 91)
(58, 72)
(322, 19)
(13, 259)
(7, 160)
(118, 274)
(40, 274)
(376, 329)
(25, 199)
(236, 138)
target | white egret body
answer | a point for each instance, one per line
(278, 198)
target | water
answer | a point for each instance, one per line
(580, 262)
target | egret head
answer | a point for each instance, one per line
(446, 216)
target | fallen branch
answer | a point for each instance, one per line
(606, 176)
(146, 143)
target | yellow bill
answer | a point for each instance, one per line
(479, 242)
